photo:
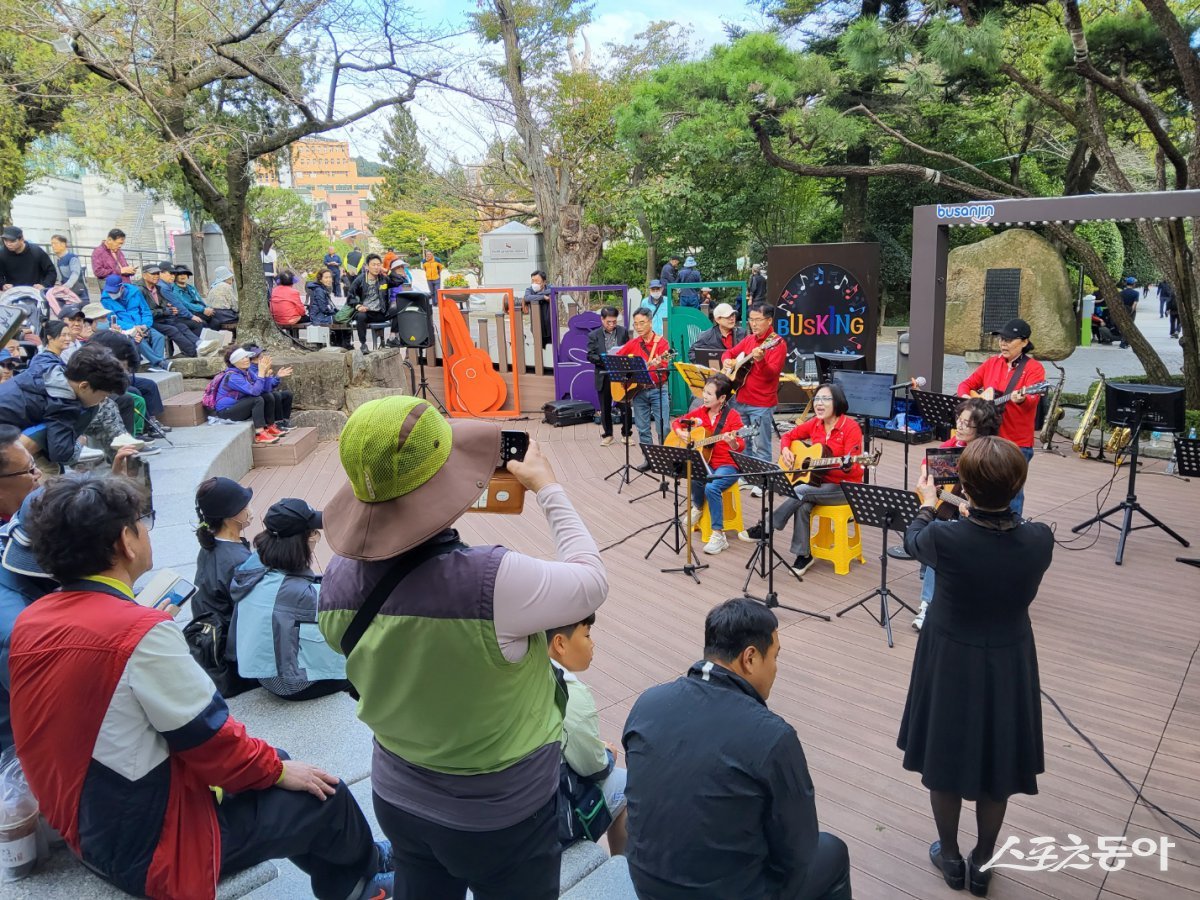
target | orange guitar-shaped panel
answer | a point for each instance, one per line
(478, 388)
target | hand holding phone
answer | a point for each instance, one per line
(534, 471)
(513, 445)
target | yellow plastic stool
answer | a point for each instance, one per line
(832, 538)
(732, 502)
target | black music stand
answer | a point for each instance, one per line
(627, 370)
(889, 509)
(1129, 505)
(939, 409)
(766, 557)
(1187, 463)
(677, 463)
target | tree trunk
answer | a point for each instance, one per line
(6, 205)
(651, 250)
(255, 324)
(199, 258)
(854, 195)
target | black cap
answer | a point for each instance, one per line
(152, 270)
(1015, 328)
(70, 311)
(12, 233)
(166, 266)
(181, 270)
(292, 516)
(224, 499)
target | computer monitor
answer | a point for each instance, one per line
(829, 362)
(868, 393)
(1159, 406)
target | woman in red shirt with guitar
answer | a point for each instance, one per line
(716, 416)
(839, 436)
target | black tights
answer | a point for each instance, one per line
(989, 818)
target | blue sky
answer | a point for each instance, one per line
(451, 127)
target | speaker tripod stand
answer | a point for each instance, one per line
(423, 389)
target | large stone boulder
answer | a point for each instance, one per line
(1046, 302)
(318, 380)
(357, 396)
(199, 366)
(381, 368)
(328, 422)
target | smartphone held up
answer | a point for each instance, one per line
(504, 494)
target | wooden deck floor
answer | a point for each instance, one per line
(1117, 647)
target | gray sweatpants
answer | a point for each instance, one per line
(799, 511)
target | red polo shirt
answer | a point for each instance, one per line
(1020, 419)
(762, 384)
(720, 450)
(843, 439)
(658, 346)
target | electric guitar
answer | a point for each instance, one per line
(1031, 390)
(809, 462)
(702, 441)
(627, 390)
(738, 369)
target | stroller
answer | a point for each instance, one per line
(31, 302)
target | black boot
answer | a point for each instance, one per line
(953, 870)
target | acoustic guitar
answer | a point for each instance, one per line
(627, 390)
(701, 440)
(479, 387)
(738, 369)
(810, 463)
(1032, 390)
(950, 501)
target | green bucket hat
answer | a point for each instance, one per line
(410, 473)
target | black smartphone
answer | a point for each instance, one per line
(513, 445)
(942, 464)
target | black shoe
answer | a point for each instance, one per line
(953, 870)
(979, 880)
(753, 533)
(802, 564)
(159, 425)
(643, 466)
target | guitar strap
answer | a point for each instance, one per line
(1012, 383)
(719, 427)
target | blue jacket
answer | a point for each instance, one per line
(236, 384)
(186, 298)
(16, 593)
(130, 309)
(44, 397)
(689, 296)
(274, 631)
(320, 305)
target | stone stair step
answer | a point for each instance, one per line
(184, 410)
(170, 384)
(290, 449)
(610, 881)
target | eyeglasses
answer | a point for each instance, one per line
(32, 470)
(147, 521)
(758, 319)
(822, 399)
(964, 425)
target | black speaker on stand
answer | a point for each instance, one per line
(414, 329)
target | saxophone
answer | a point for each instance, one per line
(1089, 420)
(1054, 410)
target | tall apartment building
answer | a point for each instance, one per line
(322, 169)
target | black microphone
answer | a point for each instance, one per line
(917, 382)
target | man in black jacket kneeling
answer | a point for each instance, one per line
(720, 800)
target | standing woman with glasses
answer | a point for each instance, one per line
(975, 419)
(839, 435)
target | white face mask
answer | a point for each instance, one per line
(535, 287)
(656, 294)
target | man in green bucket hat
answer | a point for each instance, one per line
(446, 649)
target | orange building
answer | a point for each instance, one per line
(323, 169)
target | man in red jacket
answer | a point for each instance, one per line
(1012, 370)
(129, 748)
(759, 395)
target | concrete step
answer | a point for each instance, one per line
(610, 881)
(170, 384)
(184, 410)
(290, 449)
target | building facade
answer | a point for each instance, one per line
(322, 170)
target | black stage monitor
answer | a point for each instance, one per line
(828, 362)
(868, 393)
(1160, 407)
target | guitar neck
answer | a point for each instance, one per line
(953, 499)
(827, 462)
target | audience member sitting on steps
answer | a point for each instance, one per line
(721, 804)
(285, 303)
(452, 670)
(125, 350)
(131, 315)
(56, 337)
(223, 508)
(120, 733)
(64, 399)
(244, 394)
(591, 760)
(222, 295)
(274, 635)
(321, 305)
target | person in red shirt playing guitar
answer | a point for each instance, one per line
(839, 435)
(1009, 373)
(715, 416)
(759, 395)
(649, 402)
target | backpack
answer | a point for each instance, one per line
(344, 315)
(212, 391)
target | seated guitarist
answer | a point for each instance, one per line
(1012, 369)
(715, 416)
(649, 402)
(839, 435)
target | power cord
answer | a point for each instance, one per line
(1102, 495)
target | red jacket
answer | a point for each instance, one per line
(121, 733)
(720, 450)
(844, 439)
(1020, 419)
(761, 387)
(658, 347)
(286, 305)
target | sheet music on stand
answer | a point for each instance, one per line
(695, 375)
(938, 409)
(1187, 464)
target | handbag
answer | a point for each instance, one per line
(344, 314)
(583, 813)
(206, 639)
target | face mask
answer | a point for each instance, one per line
(535, 287)
(656, 294)
(100, 325)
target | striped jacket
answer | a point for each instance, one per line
(121, 734)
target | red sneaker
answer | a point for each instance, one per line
(265, 437)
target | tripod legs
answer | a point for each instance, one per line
(884, 594)
(423, 389)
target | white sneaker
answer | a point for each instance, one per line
(606, 440)
(756, 491)
(125, 439)
(716, 543)
(919, 618)
(697, 515)
(89, 455)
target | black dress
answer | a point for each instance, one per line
(972, 723)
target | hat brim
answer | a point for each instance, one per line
(20, 559)
(375, 531)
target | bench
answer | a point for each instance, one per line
(184, 410)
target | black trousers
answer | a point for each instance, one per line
(124, 404)
(184, 333)
(433, 862)
(147, 388)
(829, 872)
(264, 410)
(362, 319)
(606, 416)
(329, 840)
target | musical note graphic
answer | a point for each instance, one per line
(803, 283)
(820, 276)
(858, 309)
(845, 281)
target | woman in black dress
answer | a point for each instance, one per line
(972, 724)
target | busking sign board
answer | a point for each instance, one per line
(826, 297)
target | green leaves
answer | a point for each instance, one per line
(445, 229)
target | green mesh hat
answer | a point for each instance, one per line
(410, 474)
